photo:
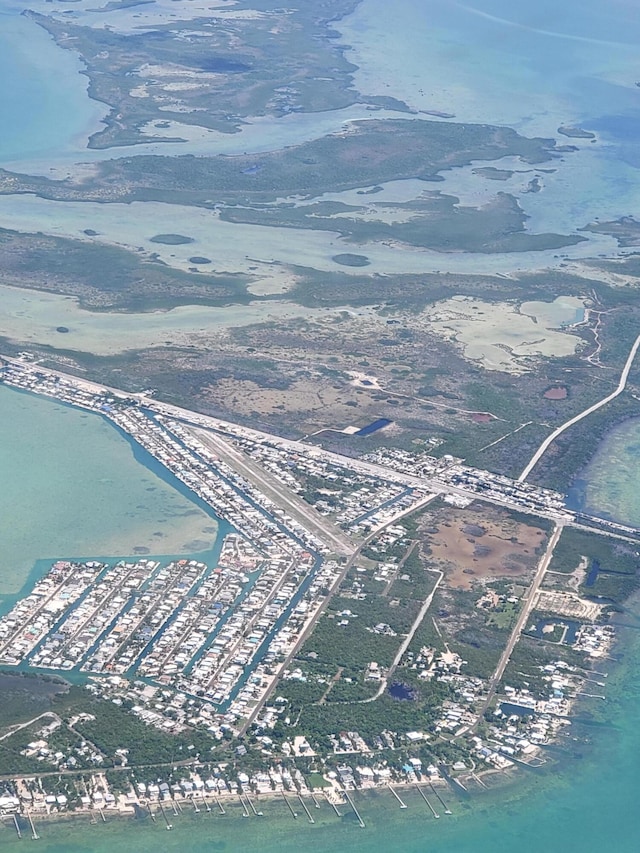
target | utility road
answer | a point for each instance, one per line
(548, 441)
(528, 603)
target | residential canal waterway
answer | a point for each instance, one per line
(586, 802)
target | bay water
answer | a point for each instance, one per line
(533, 67)
(608, 486)
(73, 486)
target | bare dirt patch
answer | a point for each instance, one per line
(473, 548)
(557, 393)
(568, 604)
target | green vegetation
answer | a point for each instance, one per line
(10, 759)
(26, 696)
(504, 616)
(316, 722)
(618, 562)
(108, 278)
(524, 669)
(280, 62)
(348, 259)
(171, 239)
(351, 645)
(626, 230)
(406, 148)
(570, 452)
(437, 222)
(115, 728)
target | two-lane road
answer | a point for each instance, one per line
(528, 604)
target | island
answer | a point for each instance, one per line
(376, 341)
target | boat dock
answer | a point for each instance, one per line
(424, 797)
(290, 807)
(304, 806)
(333, 806)
(253, 808)
(403, 805)
(355, 810)
(164, 815)
(447, 810)
(34, 834)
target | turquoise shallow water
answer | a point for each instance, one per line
(44, 106)
(531, 66)
(609, 483)
(72, 486)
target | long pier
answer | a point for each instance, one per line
(289, 806)
(164, 815)
(253, 808)
(34, 834)
(355, 810)
(447, 810)
(397, 796)
(424, 797)
(334, 807)
(304, 806)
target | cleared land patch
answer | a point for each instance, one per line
(470, 548)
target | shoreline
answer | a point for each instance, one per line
(128, 809)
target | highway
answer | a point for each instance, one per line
(622, 384)
(436, 484)
(220, 438)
